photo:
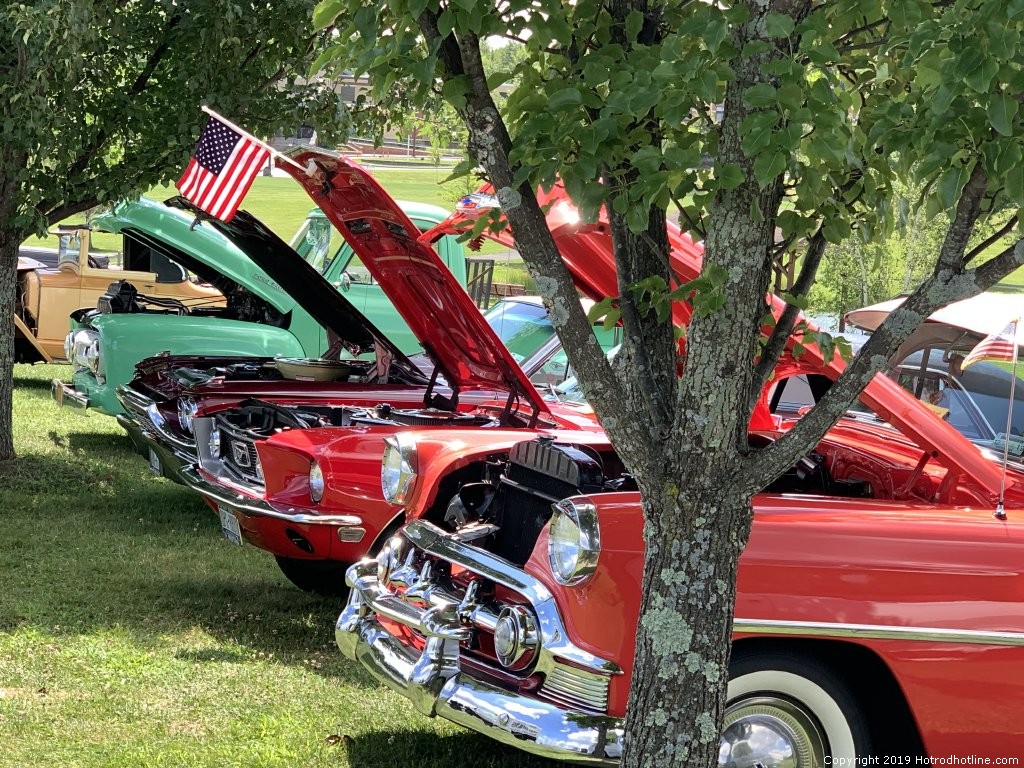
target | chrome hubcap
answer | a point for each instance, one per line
(771, 732)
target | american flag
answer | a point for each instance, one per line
(998, 346)
(222, 169)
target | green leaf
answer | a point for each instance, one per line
(1014, 9)
(756, 130)
(981, 78)
(729, 176)
(952, 182)
(634, 23)
(714, 34)
(1015, 184)
(760, 95)
(778, 25)
(1001, 111)
(767, 166)
(326, 12)
(566, 98)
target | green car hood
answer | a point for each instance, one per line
(158, 225)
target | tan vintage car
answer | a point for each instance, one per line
(45, 297)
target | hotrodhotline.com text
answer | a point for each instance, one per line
(896, 760)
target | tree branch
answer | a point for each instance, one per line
(998, 235)
(776, 343)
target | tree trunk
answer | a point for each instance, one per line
(10, 241)
(8, 283)
(677, 697)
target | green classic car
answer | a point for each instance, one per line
(258, 319)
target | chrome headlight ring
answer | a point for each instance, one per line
(187, 412)
(574, 541)
(398, 468)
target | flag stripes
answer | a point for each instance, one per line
(222, 169)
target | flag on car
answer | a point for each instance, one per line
(1000, 346)
(222, 169)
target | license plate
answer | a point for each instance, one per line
(154, 462)
(229, 527)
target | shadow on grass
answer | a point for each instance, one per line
(424, 749)
(23, 382)
(93, 542)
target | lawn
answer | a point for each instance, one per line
(132, 634)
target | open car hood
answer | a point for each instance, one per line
(303, 283)
(203, 250)
(588, 254)
(437, 309)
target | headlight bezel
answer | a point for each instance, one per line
(574, 541)
(398, 469)
(317, 483)
(188, 410)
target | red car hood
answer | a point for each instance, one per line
(445, 320)
(588, 253)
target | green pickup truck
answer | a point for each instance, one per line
(257, 319)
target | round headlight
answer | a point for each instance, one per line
(215, 444)
(187, 410)
(398, 469)
(574, 542)
(316, 482)
(515, 637)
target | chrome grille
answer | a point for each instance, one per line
(239, 455)
(576, 689)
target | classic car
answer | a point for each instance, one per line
(311, 526)
(168, 393)
(263, 315)
(878, 608)
(45, 297)
(927, 364)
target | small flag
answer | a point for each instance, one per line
(998, 346)
(222, 169)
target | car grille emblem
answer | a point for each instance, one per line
(240, 455)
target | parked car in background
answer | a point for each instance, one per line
(974, 400)
(878, 610)
(44, 298)
(266, 314)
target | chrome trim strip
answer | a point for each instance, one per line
(253, 507)
(878, 632)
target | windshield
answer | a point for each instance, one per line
(317, 242)
(523, 326)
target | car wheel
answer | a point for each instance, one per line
(788, 710)
(323, 577)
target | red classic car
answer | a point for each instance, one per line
(879, 612)
(297, 473)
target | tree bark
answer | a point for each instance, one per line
(10, 240)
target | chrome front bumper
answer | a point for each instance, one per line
(350, 526)
(66, 396)
(433, 679)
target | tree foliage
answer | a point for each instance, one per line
(749, 119)
(101, 101)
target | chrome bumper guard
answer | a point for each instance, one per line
(143, 411)
(66, 396)
(253, 507)
(545, 724)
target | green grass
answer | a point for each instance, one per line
(132, 634)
